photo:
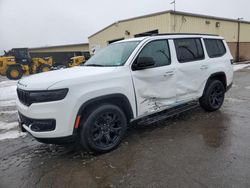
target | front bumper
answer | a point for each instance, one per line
(47, 120)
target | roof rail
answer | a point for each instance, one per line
(160, 34)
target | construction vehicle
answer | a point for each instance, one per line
(17, 62)
(76, 61)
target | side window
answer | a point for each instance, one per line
(215, 47)
(159, 51)
(189, 49)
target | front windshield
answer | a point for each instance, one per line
(113, 55)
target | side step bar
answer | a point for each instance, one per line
(164, 114)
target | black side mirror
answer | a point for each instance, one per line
(143, 63)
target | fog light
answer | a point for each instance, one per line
(43, 125)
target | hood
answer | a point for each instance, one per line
(43, 81)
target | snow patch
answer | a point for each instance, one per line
(12, 135)
(8, 103)
(240, 66)
(7, 83)
(9, 112)
(8, 126)
(8, 93)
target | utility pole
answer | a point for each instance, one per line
(174, 2)
(238, 41)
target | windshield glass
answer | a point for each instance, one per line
(113, 55)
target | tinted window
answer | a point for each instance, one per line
(188, 49)
(159, 51)
(215, 47)
(115, 54)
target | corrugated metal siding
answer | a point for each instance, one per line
(187, 24)
(165, 24)
(116, 31)
(70, 48)
(244, 32)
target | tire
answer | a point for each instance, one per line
(14, 72)
(213, 96)
(104, 129)
(43, 68)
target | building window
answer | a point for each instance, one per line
(116, 40)
(148, 33)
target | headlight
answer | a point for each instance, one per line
(11, 59)
(29, 97)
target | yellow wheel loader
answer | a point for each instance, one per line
(76, 61)
(17, 62)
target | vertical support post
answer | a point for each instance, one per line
(174, 2)
(238, 41)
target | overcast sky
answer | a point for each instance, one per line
(36, 23)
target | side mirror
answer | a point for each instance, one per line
(143, 63)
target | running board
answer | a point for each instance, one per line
(164, 114)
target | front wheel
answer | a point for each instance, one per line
(104, 128)
(43, 68)
(213, 96)
(14, 72)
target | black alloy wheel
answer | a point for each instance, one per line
(104, 128)
(216, 97)
(213, 96)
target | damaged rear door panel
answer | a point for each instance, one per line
(191, 68)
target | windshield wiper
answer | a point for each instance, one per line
(94, 65)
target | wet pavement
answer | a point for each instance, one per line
(195, 149)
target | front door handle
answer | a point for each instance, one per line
(204, 67)
(169, 73)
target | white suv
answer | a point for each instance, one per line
(140, 80)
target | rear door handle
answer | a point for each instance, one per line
(204, 67)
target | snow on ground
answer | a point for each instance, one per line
(7, 103)
(8, 93)
(240, 66)
(8, 99)
(12, 134)
(8, 126)
(8, 112)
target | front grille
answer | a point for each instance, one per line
(23, 97)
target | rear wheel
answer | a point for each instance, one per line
(103, 129)
(213, 96)
(43, 68)
(14, 72)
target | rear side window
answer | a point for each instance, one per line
(215, 47)
(189, 49)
